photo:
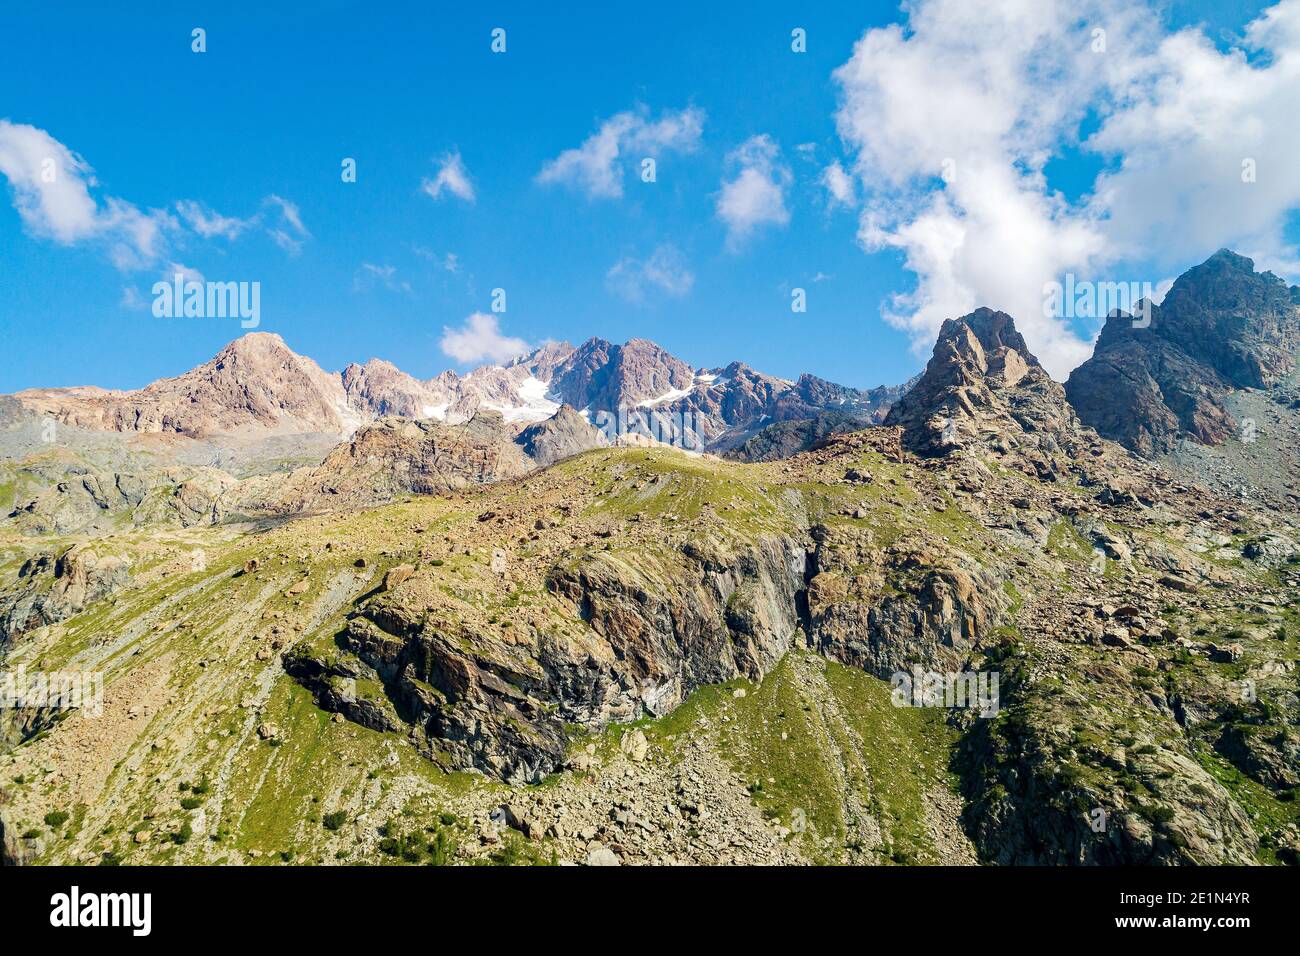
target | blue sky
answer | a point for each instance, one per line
(381, 267)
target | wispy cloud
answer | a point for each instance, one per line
(447, 261)
(754, 196)
(131, 299)
(208, 223)
(287, 231)
(385, 276)
(53, 192)
(480, 339)
(452, 177)
(594, 168)
(665, 272)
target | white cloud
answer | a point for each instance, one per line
(755, 195)
(480, 339)
(594, 167)
(954, 117)
(839, 184)
(665, 271)
(208, 223)
(50, 183)
(1191, 117)
(452, 176)
(52, 193)
(185, 272)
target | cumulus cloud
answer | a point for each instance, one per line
(480, 339)
(1205, 145)
(665, 272)
(594, 167)
(953, 118)
(51, 188)
(754, 196)
(452, 177)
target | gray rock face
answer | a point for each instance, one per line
(984, 392)
(783, 439)
(479, 700)
(88, 502)
(1222, 327)
(935, 611)
(476, 698)
(563, 435)
(52, 589)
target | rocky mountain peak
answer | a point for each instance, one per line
(545, 360)
(983, 388)
(380, 388)
(257, 347)
(1222, 327)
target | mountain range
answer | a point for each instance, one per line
(473, 629)
(258, 385)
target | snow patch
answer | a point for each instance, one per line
(671, 395)
(536, 408)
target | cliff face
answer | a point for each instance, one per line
(983, 393)
(1222, 327)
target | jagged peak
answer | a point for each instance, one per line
(993, 330)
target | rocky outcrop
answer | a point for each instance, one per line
(887, 609)
(388, 459)
(94, 502)
(483, 698)
(563, 435)
(984, 392)
(1222, 327)
(50, 589)
(641, 638)
(1032, 802)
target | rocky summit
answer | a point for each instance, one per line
(984, 618)
(1206, 382)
